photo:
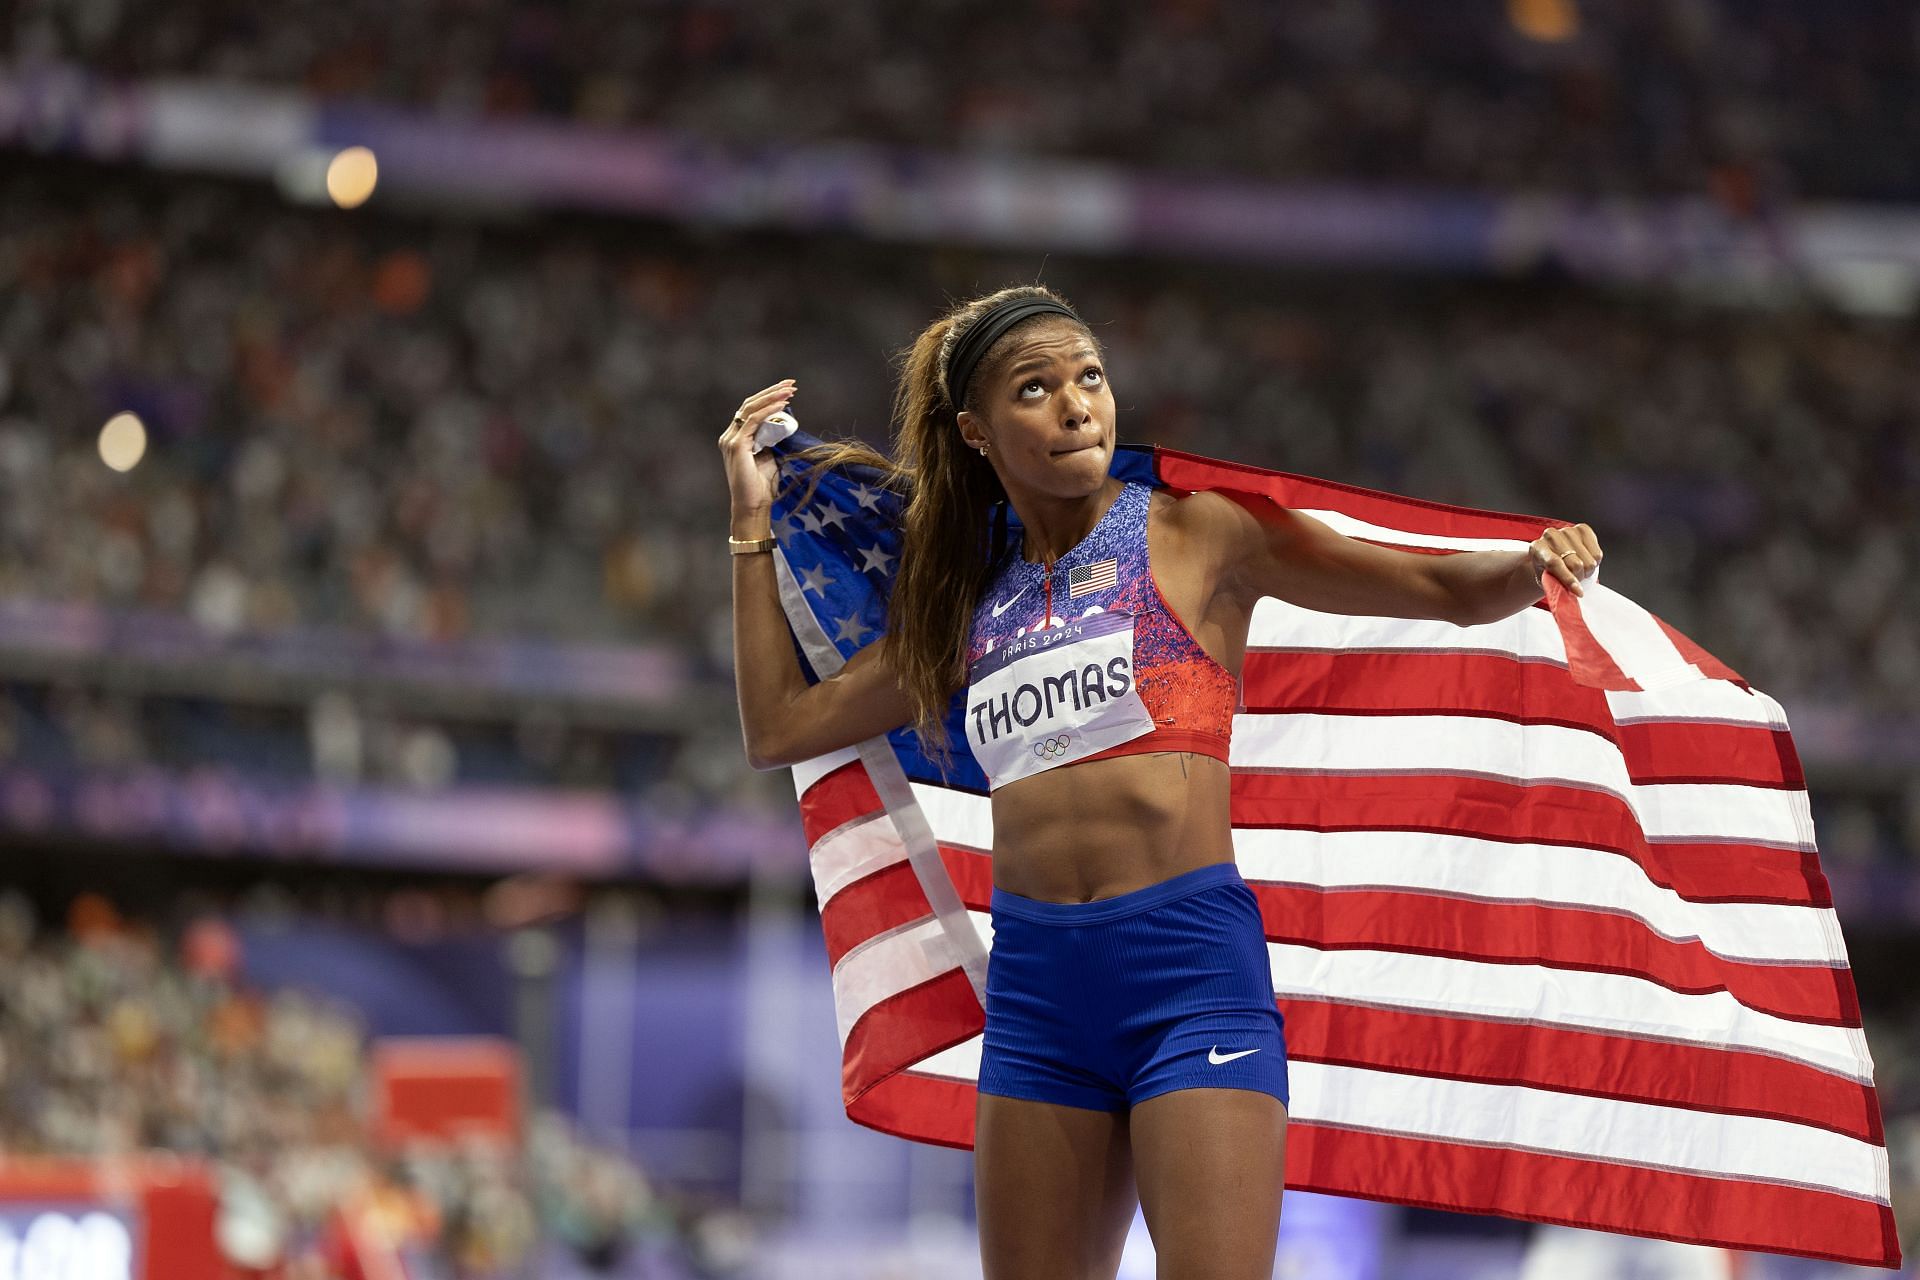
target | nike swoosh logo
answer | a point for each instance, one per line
(1007, 604)
(1216, 1057)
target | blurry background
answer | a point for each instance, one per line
(364, 667)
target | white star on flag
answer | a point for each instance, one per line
(850, 629)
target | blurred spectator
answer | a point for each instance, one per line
(1738, 99)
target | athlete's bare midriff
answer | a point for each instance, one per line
(1107, 827)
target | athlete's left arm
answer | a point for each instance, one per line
(1271, 550)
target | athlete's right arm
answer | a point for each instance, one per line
(783, 718)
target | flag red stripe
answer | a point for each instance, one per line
(1543, 813)
(839, 797)
(922, 1108)
(907, 1027)
(1588, 661)
(1597, 1065)
(972, 874)
(1558, 937)
(1501, 688)
(1413, 515)
(1408, 682)
(1585, 1193)
(871, 906)
(1691, 751)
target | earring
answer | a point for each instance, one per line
(983, 451)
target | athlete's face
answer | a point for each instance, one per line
(1045, 413)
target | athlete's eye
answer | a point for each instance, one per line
(1031, 384)
(1095, 372)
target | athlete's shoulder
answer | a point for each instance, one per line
(1206, 515)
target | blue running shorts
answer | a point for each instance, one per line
(1105, 1004)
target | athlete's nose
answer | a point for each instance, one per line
(1079, 406)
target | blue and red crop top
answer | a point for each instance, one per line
(1084, 659)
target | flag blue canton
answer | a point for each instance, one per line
(843, 545)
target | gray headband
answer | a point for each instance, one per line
(989, 329)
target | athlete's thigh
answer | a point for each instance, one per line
(1053, 1187)
(1210, 1164)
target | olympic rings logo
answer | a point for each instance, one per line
(1053, 748)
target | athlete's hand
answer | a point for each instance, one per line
(750, 476)
(1568, 554)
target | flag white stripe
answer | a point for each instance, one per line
(808, 772)
(1571, 998)
(1713, 811)
(1428, 743)
(854, 851)
(955, 1062)
(957, 817)
(1480, 746)
(1530, 633)
(1355, 527)
(1611, 1129)
(1548, 875)
(888, 965)
(1712, 701)
(1633, 639)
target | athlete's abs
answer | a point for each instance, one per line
(1134, 814)
(1108, 827)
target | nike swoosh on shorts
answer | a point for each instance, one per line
(1216, 1057)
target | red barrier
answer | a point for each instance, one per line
(445, 1087)
(165, 1205)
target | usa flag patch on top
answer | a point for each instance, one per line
(1085, 578)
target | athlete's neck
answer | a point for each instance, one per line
(1056, 526)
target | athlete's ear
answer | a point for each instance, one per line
(970, 429)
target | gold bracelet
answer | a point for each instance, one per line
(747, 546)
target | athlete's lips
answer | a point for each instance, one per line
(1061, 453)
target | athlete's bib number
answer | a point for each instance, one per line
(1054, 696)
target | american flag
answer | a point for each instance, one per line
(1542, 900)
(1085, 579)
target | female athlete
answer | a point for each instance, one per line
(1132, 1046)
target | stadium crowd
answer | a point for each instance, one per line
(116, 1039)
(433, 430)
(1746, 99)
